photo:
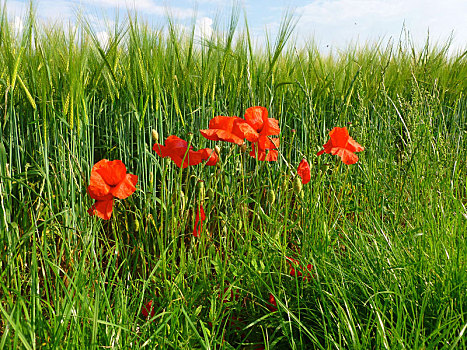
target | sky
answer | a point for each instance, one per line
(331, 24)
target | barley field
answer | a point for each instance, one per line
(370, 255)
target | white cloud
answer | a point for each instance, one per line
(339, 22)
(203, 27)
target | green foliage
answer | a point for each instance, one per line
(386, 237)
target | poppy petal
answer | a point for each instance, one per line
(304, 171)
(210, 155)
(342, 145)
(97, 186)
(256, 117)
(102, 209)
(200, 217)
(265, 142)
(346, 156)
(353, 146)
(192, 158)
(173, 142)
(272, 305)
(221, 135)
(160, 150)
(177, 149)
(249, 133)
(271, 127)
(223, 128)
(264, 155)
(112, 171)
(339, 136)
(148, 309)
(126, 187)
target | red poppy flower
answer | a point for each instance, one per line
(108, 180)
(304, 171)
(271, 305)
(210, 155)
(230, 129)
(264, 147)
(267, 149)
(342, 145)
(177, 149)
(300, 269)
(200, 217)
(256, 128)
(257, 118)
(148, 309)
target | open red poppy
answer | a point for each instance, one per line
(148, 310)
(342, 145)
(177, 149)
(108, 180)
(256, 128)
(230, 129)
(257, 118)
(297, 269)
(271, 305)
(304, 171)
(200, 217)
(265, 149)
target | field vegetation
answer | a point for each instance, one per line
(366, 256)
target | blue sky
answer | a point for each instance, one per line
(331, 23)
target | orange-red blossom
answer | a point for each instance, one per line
(342, 145)
(304, 171)
(256, 128)
(108, 180)
(182, 155)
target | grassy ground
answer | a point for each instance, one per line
(386, 236)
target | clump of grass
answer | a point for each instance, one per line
(385, 237)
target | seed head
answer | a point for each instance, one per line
(155, 135)
(201, 191)
(271, 197)
(297, 185)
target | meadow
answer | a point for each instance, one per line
(371, 255)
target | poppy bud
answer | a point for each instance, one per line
(135, 225)
(217, 149)
(202, 190)
(243, 148)
(285, 186)
(190, 137)
(155, 135)
(182, 201)
(271, 197)
(297, 185)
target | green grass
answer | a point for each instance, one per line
(386, 237)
